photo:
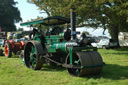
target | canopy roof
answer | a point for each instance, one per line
(55, 20)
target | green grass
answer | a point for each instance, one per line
(115, 72)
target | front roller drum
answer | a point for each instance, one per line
(32, 52)
(89, 63)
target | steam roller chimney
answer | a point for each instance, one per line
(73, 23)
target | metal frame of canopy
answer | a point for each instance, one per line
(55, 20)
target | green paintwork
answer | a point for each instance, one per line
(54, 43)
(77, 61)
(23, 61)
(37, 37)
(70, 55)
(53, 47)
(61, 46)
(33, 55)
(61, 35)
(31, 23)
(53, 38)
(55, 20)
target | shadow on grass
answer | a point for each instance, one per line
(13, 56)
(122, 49)
(2, 56)
(117, 53)
(113, 72)
(52, 68)
(110, 71)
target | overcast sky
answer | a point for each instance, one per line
(30, 11)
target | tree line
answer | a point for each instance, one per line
(9, 15)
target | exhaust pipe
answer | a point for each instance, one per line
(73, 24)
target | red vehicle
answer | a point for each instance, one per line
(12, 46)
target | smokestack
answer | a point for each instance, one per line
(73, 23)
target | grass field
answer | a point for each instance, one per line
(115, 72)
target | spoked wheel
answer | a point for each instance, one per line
(89, 63)
(32, 53)
(76, 62)
(8, 50)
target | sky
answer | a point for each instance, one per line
(30, 11)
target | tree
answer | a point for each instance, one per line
(108, 14)
(20, 29)
(9, 15)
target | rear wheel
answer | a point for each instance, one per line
(32, 53)
(8, 50)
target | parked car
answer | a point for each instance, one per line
(105, 43)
